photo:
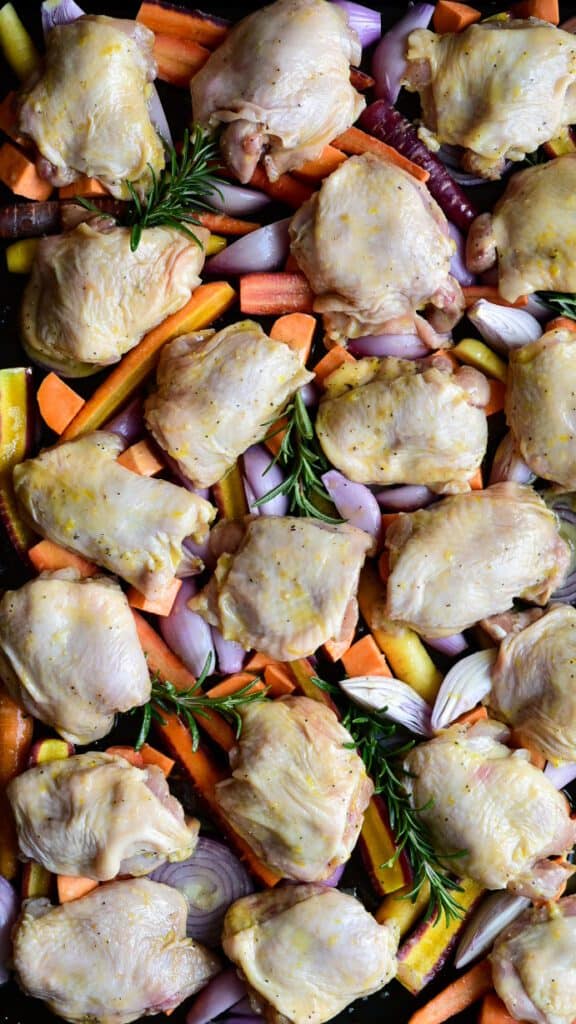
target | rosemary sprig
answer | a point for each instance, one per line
(372, 735)
(302, 458)
(561, 302)
(191, 703)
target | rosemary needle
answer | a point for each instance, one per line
(192, 703)
(560, 302)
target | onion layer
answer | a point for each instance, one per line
(60, 13)
(9, 905)
(495, 913)
(458, 267)
(263, 476)
(389, 60)
(393, 699)
(366, 22)
(562, 774)
(509, 465)
(451, 646)
(354, 502)
(407, 498)
(463, 687)
(237, 201)
(186, 632)
(220, 994)
(260, 251)
(129, 422)
(211, 880)
(402, 346)
(229, 654)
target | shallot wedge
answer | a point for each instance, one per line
(495, 913)
(463, 687)
(393, 699)
(504, 327)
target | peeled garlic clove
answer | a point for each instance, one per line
(463, 687)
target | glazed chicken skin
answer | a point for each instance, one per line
(87, 111)
(77, 495)
(478, 796)
(375, 248)
(531, 232)
(541, 405)
(498, 89)
(70, 653)
(297, 794)
(388, 421)
(280, 85)
(216, 395)
(112, 956)
(470, 556)
(533, 683)
(534, 964)
(308, 951)
(97, 816)
(284, 585)
(89, 299)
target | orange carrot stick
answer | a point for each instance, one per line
(46, 556)
(161, 605)
(497, 395)
(278, 680)
(275, 436)
(274, 294)
(490, 292)
(462, 993)
(18, 172)
(58, 403)
(364, 658)
(356, 142)
(450, 16)
(134, 757)
(220, 224)
(83, 186)
(16, 728)
(73, 887)
(470, 718)
(177, 21)
(258, 661)
(330, 362)
(151, 756)
(234, 683)
(286, 189)
(141, 458)
(318, 169)
(208, 302)
(178, 59)
(297, 331)
(493, 1011)
(544, 10)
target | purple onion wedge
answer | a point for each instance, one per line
(496, 912)
(9, 906)
(463, 687)
(129, 422)
(186, 632)
(508, 464)
(451, 646)
(222, 993)
(402, 346)
(389, 58)
(229, 654)
(562, 774)
(237, 201)
(458, 267)
(58, 12)
(365, 21)
(354, 502)
(262, 250)
(264, 475)
(503, 327)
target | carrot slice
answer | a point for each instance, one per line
(58, 403)
(476, 482)
(297, 331)
(286, 189)
(208, 302)
(160, 605)
(141, 458)
(356, 142)
(545, 10)
(19, 174)
(493, 1011)
(316, 170)
(234, 683)
(178, 58)
(46, 556)
(151, 756)
(169, 668)
(223, 225)
(473, 292)
(134, 757)
(450, 16)
(16, 729)
(561, 323)
(274, 294)
(178, 22)
(330, 362)
(278, 680)
(258, 661)
(276, 435)
(365, 659)
(83, 186)
(497, 395)
(457, 997)
(73, 887)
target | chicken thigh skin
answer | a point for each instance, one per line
(375, 248)
(498, 89)
(90, 299)
(388, 421)
(97, 816)
(288, 585)
(70, 653)
(112, 956)
(77, 495)
(478, 796)
(531, 232)
(297, 794)
(280, 85)
(533, 686)
(308, 951)
(541, 405)
(534, 964)
(470, 556)
(216, 395)
(87, 111)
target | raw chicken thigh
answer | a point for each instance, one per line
(288, 585)
(89, 298)
(297, 794)
(280, 84)
(98, 816)
(387, 421)
(87, 112)
(533, 683)
(479, 797)
(498, 89)
(217, 393)
(112, 956)
(534, 964)
(375, 248)
(70, 654)
(541, 405)
(470, 556)
(308, 951)
(531, 231)
(77, 495)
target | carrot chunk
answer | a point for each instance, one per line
(177, 21)
(58, 403)
(286, 189)
(134, 757)
(159, 606)
(544, 10)
(330, 362)
(151, 756)
(489, 292)
(224, 225)
(141, 458)
(73, 887)
(46, 556)
(493, 1011)
(365, 659)
(234, 683)
(178, 59)
(274, 294)
(19, 174)
(297, 331)
(278, 680)
(83, 186)
(316, 170)
(450, 16)
(497, 395)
